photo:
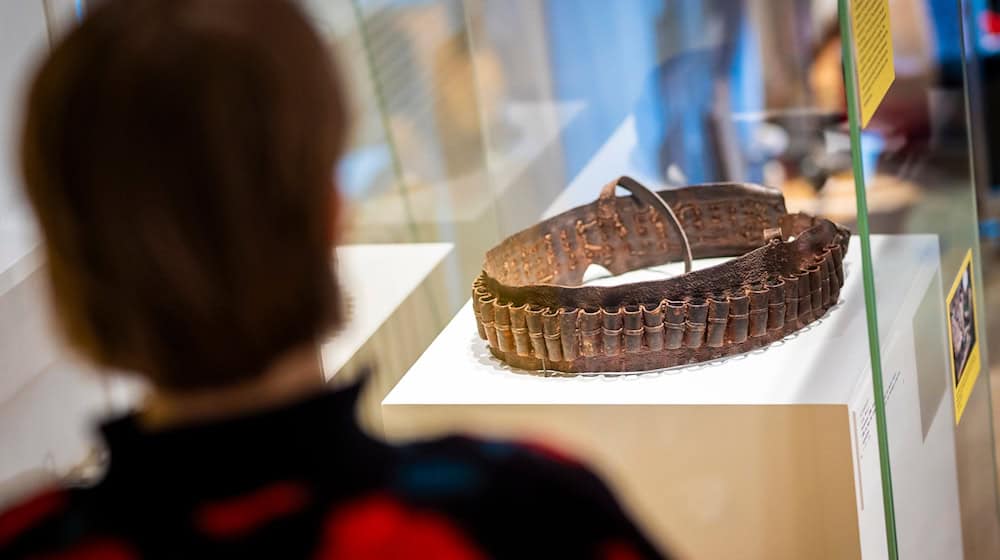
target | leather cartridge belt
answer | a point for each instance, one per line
(534, 313)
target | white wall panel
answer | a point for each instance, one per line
(46, 401)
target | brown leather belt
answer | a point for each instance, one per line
(535, 315)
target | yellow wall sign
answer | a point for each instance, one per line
(963, 335)
(873, 52)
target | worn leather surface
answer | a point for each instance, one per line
(535, 315)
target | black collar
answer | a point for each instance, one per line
(294, 440)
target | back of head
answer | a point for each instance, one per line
(180, 157)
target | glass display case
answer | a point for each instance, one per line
(916, 179)
(754, 415)
(478, 120)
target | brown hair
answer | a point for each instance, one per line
(180, 156)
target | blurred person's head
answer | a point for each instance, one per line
(180, 157)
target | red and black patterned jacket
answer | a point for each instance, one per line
(305, 482)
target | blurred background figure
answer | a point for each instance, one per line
(179, 156)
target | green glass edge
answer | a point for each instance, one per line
(854, 118)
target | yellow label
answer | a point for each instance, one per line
(873, 52)
(963, 335)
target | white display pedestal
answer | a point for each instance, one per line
(766, 455)
(373, 297)
(393, 294)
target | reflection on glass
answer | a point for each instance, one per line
(477, 119)
(920, 185)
